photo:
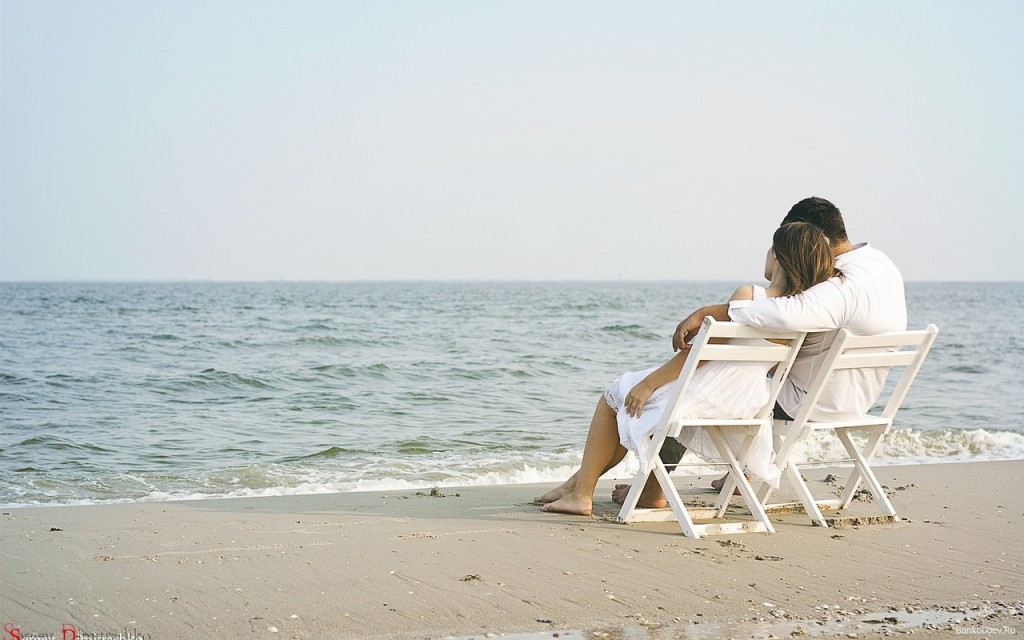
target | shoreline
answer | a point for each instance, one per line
(623, 476)
(472, 561)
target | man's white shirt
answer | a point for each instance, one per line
(869, 298)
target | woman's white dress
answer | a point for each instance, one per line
(719, 389)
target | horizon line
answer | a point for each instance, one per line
(429, 281)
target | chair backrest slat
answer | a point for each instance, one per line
(849, 352)
(703, 349)
(854, 360)
(735, 330)
(738, 352)
(894, 339)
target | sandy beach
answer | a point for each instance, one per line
(485, 561)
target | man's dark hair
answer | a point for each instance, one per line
(822, 214)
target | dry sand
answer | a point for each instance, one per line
(484, 560)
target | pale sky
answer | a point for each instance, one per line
(245, 140)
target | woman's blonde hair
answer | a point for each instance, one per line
(804, 254)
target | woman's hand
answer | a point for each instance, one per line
(636, 398)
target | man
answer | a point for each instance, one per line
(867, 298)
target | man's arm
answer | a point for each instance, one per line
(820, 308)
(688, 328)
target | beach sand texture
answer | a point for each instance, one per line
(484, 560)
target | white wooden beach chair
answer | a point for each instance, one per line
(705, 347)
(906, 350)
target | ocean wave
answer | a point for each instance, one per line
(376, 370)
(53, 443)
(633, 330)
(909, 446)
(425, 463)
(580, 306)
(217, 380)
(329, 453)
(167, 337)
(968, 368)
(327, 341)
(422, 446)
(318, 325)
(496, 473)
(61, 380)
(493, 373)
(336, 370)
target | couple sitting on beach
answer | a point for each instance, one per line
(818, 281)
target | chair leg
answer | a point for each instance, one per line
(804, 493)
(669, 489)
(637, 485)
(764, 492)
(633, 496)
(870, 447)
(862, 471)
(736, 473)
(725, 495)
(854, 480)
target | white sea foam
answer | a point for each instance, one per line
(901, 446)
(916, 446)
(457, 469)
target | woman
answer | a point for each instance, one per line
(800, 258)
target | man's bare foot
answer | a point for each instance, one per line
(571, 504)
(619, 493)
(553, 495)
(645, 502)
(720, 482)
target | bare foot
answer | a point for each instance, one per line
(619, 493)
(553, 495)
(645, 502)
(720, 482)
(571, 504)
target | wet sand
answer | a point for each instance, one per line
(485, 560)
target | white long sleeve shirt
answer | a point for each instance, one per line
(868, 299)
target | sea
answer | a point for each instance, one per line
(133, 392)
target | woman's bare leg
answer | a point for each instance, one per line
(567, 487)
(601, 453)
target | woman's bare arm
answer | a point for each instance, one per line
(669, 371)
(661, 376)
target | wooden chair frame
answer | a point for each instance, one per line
(707, 347)
(849, 351)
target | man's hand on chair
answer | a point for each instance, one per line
(690, 327)
(687, 330)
